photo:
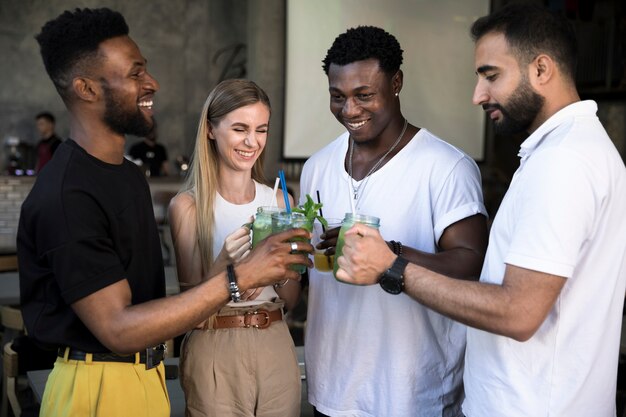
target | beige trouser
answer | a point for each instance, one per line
(239, 372)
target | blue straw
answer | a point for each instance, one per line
(283, 185)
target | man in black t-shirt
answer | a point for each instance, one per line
(152, 155)
(91, 272)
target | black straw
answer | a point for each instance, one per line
(322, 215)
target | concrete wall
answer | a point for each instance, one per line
(190, 46)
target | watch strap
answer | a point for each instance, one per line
(399, 265)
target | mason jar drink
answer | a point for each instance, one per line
(321, 261)
(262, 226)
(348, 221)
(285, 221)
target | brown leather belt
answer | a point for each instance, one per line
(258, 319)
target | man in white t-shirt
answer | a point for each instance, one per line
(369, 352)
(545, 317)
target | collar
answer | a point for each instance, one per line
(580, 108)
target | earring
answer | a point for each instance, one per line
(396, 94)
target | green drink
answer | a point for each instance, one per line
(262, 226)
(285, 221)
(347, 223)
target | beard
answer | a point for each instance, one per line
(123, 121)
(520, 111)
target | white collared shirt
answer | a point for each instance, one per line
(563, 215)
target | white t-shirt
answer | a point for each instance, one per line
(228, 218)
(370, 353)
(564, 215)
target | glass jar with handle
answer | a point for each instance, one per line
(348, 221)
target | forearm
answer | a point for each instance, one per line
(289, 293)
(489, 307)
(132, 328)
(462, 263)
(461, 250)
(123, 327)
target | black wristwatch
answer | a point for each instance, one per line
(392, 280)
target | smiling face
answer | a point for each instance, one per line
(503, 89)
(362, 98)
(127, 86)
(240, 136)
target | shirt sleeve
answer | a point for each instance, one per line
(556, 213)
(85, 261)
(459, 196)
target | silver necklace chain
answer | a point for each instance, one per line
(376, 165)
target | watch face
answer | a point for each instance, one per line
(391, 284)
(392, 280)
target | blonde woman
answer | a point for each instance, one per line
(242, 361)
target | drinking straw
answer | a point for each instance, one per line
(321, 214)
(283, 185)
(273, 203)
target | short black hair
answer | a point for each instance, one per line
(71, 41)
(365, 42)
(531, 30)
(46, 115)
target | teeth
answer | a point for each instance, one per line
(145, 103)
(355, 126)
(245, 154)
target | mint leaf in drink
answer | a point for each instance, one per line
(311, 210)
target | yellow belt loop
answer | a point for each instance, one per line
(137, 358)
(66, 354)
(88, 358)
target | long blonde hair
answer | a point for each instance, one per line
(202, 180)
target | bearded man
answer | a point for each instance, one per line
(91, 270)
(545, 318)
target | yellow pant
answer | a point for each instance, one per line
(103, 389)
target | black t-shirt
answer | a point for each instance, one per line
(151, 156)
(85, 225)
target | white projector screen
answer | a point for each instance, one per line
(438, 67)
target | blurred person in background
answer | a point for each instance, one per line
(48, 139)
(153, 155)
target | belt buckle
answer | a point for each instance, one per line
(155, 355)
(247, 318)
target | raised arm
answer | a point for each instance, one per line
(515, 309)
(125, 328)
